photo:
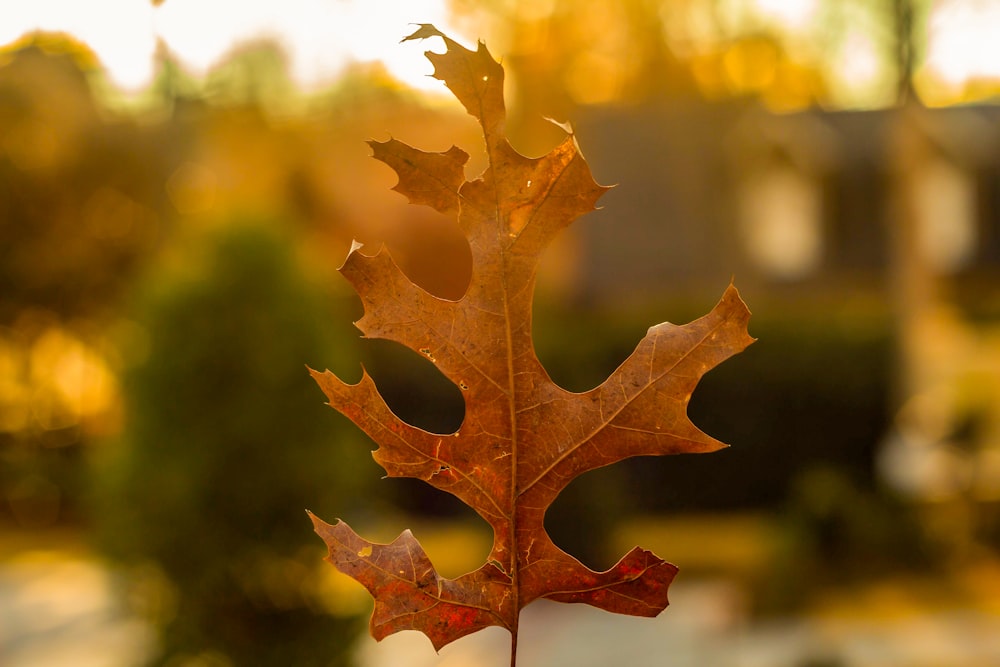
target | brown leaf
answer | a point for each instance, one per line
(523, 438)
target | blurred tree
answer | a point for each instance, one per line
(78, 195)
(254, 74)
(88, 194)
(560, 54)
(790, 55)
(227, 442)
(81, 207)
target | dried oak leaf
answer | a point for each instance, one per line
(523, 439)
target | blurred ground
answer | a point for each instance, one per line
(58, 606)
(704, 627)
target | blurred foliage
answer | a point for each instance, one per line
(828, 370)
(79, 202)
(837, 531)
(90, 195)
(81, 209)
(226, 443)
(789, 56)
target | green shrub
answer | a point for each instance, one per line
(226, 443)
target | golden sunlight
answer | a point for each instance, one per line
(793, 14)
(118, 31)
(963, 52)
(320, 37)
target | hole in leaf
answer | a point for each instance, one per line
(432, 251)
(413, 388)
(455, 547)
(582, 518)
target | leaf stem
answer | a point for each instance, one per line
(513, 644)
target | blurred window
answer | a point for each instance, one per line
(944, 200)
(781, 225)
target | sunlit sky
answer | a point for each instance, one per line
(964, 40)
(322, 36)
(319, 36)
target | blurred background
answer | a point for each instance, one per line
(179, 181)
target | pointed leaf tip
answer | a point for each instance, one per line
(423, 31)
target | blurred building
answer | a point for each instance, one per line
(897, 206)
